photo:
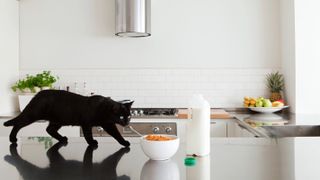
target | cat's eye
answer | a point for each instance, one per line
(121, 117)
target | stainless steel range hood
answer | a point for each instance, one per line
(133, 18)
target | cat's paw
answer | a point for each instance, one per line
(93, 143)
(123, 177)
(125, 149)
(63, 140)
(125, 143)
(91, 148)
(13, 139)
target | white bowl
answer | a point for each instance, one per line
(160, 150)
(267, 109)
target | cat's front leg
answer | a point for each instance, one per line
(88, 136)
(114, 132)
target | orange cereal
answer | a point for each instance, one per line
(151, 137)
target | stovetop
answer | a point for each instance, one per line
(153, 112)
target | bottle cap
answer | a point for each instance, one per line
(189, 161)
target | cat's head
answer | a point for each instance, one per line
(122, 112)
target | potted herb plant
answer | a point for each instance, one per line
(31, 84)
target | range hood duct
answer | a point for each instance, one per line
(133, 18)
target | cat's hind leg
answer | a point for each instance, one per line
(87, 132)
(22, 122)
(114, 132)
(52, 129)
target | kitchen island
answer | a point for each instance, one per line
(230, 158)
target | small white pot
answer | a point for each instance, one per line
(45, 88)
(37, 89)
(24, 100)
(26, 90)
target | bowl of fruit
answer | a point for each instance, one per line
(263, 105)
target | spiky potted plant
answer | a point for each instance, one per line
(275, 84)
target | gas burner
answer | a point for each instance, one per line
(153, 112)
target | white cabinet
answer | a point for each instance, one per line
(228, 128)
(218, 128)
(234, 130)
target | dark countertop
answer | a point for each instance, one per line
(39, 158)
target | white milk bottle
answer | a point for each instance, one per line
(198, 127)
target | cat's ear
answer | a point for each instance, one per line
(127, 103)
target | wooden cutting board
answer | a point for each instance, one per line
(215, 114)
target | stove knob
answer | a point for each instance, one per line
(155, 129)
(141, 112)
(168, 130)
(100, 129)
(134, 113)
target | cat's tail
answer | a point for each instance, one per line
(11, 122)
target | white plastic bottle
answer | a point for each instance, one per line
(198, 127)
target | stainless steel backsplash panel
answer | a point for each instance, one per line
(143, 128)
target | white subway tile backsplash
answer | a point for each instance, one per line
(168, 87)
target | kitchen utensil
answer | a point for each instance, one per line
(135, 131)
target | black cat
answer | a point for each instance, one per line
(62, 108)
(62, 169)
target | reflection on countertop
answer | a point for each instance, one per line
(159, 170)
(60, 168)
(287, 118)
(230, 158)
(280, 124)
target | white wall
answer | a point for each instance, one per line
(288, 51)
(307, 28)
(64, 34)
(221, 48)
(9, 53)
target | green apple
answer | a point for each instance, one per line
(259, 103)
(267, 103)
